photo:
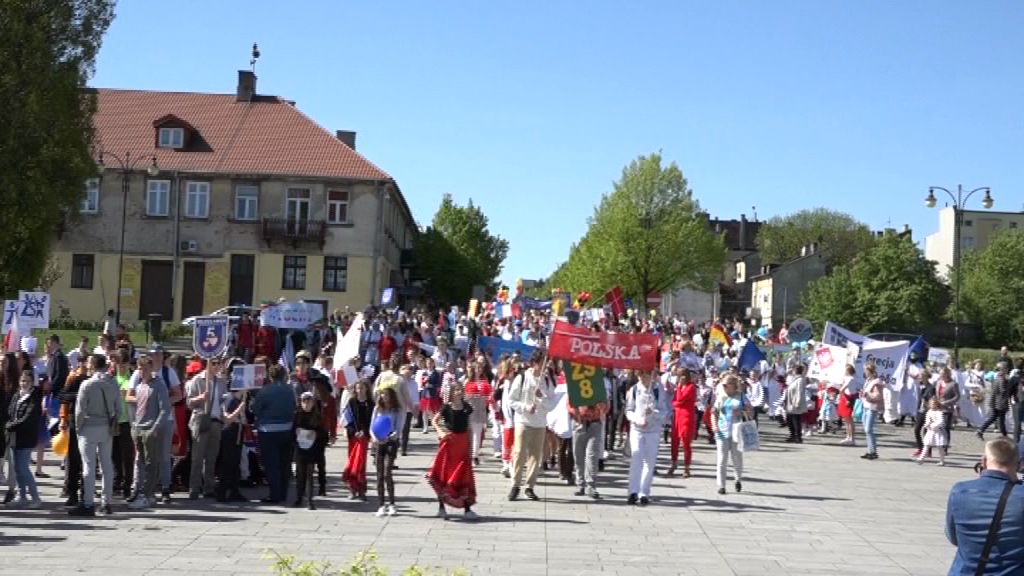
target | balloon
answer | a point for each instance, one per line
(382, 426)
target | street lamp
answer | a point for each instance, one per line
(125, 164)
(959, 199)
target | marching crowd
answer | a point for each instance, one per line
(148, 424)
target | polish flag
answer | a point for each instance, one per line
(13, 341)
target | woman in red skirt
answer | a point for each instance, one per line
(357, 424)
(451, 474)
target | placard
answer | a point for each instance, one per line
(33, 310)
(210, 335)
(938, 356)
(584, 383)
(386, 296)
(292, 315)
(248, 377)
(609, 350)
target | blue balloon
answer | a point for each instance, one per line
(382, 426)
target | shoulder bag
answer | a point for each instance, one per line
(993, 529)
(115, 428)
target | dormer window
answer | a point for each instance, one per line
(172, 138)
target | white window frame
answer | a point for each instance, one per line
(340, 204)
(171, 138)
(91, 200)
(252, 202)
(200, 191)
(161, 190)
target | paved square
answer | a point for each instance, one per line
(815, 508)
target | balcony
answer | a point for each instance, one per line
(294, 231)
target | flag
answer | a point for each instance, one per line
(347, 417)
(13, 342)
(614, 298)
(345, 376)
(347, 346)
(502, 311)
(719, 335)
(919, 347)
(750, 356)
(287, 359)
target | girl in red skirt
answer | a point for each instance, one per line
(357, 425)
(451, 474)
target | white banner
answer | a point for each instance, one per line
(292, 315)
(890, 358)
(828, 364)
(347, 346)
(836, 335)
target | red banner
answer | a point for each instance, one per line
(614, 298)
(580, 345)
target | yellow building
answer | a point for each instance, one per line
(227, 199)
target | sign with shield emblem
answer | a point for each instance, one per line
(210, 336)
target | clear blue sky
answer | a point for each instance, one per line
(532, 108)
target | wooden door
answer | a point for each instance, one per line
(157, 293)
(193, 287)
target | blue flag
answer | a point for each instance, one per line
(495, 347)
(750, 356)
(920, 347)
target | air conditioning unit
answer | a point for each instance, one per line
(188, 246)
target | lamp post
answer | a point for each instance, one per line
(959, 199)
(125, 164)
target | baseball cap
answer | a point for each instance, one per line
(156, 348)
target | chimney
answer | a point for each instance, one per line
(346, 136)
(906, 228)
(246, 86)
(743, 231)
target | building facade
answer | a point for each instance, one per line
(227, 199)
(979, 228)
(776, 292)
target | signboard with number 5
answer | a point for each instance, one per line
(584, 383)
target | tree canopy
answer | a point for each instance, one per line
(840, 236)
(458, 252)
(48, 49)
(891, 287)
(992, 291)
(647, 235)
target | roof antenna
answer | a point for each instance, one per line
(754, 209)
(255, 56)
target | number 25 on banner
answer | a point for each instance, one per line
(585, 384)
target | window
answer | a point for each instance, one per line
(968, 241)
(968, 222)
(337, 206)
(294, 273)
(91, 200)
(172, 137)
(158, 196)
(247, 201)
(82, 266)
(1013, 224)
(335, 273)
(197, 200)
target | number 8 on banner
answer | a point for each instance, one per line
(584, 384)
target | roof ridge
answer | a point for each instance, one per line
(337, 142)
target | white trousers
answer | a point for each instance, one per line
(476, 431)
(495, 433)
(643, 458)
(723, 448)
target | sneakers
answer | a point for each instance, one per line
(593, 493)
(470, 515)
(531, 494)
(19, 503)
(505, 471)
(644, 501)
(391, 510)
(721, 491)
(382, 511)
(739, 486)
(581, 491)
(870, 456)
(513, 494)
(106, 510)
(35, 504)
(631, 500)
(846, 442)
(82, 511)
(139, 503)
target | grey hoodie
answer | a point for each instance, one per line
(99, 401)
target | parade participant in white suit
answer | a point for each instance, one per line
(646, 410)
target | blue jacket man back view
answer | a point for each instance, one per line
(969, 513)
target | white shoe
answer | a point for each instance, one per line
(940, 463)
(497, 455)
(846, 441)
(470, 515)
(382, 511)
(391, 510)
(139, 503)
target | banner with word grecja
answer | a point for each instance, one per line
(890, 358)
(605, 349)
(292, 315)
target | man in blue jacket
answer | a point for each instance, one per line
(972, 509)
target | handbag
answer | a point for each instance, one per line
(746, 436)
(858, 410)
(115, 429)
(993, 529)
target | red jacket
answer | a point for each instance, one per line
(387, 348)
(265, 342)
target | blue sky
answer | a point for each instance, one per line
(532, 108)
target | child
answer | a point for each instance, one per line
(935, 435)
(357, 427)
(384, 433)
(429, 381)
(508, 420)
(451, 474)
(829, 407)
(310, 441)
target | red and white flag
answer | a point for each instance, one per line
(13, 341)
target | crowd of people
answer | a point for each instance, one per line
(150, 425)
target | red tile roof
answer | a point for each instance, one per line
(267, 136)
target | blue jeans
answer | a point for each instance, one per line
(23, 471)
(276, 456)
(870, 417)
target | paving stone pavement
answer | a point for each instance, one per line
(808, 509)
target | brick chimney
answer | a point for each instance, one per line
(346, 136)
(246, 86)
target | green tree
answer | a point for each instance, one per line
(891, 287)
(992, 292)
(839, 235)
(458, 252)
(647, 235)
(47, 50)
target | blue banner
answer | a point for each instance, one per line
(527, 303)
(495, 347)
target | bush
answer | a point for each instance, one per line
(364, 564)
